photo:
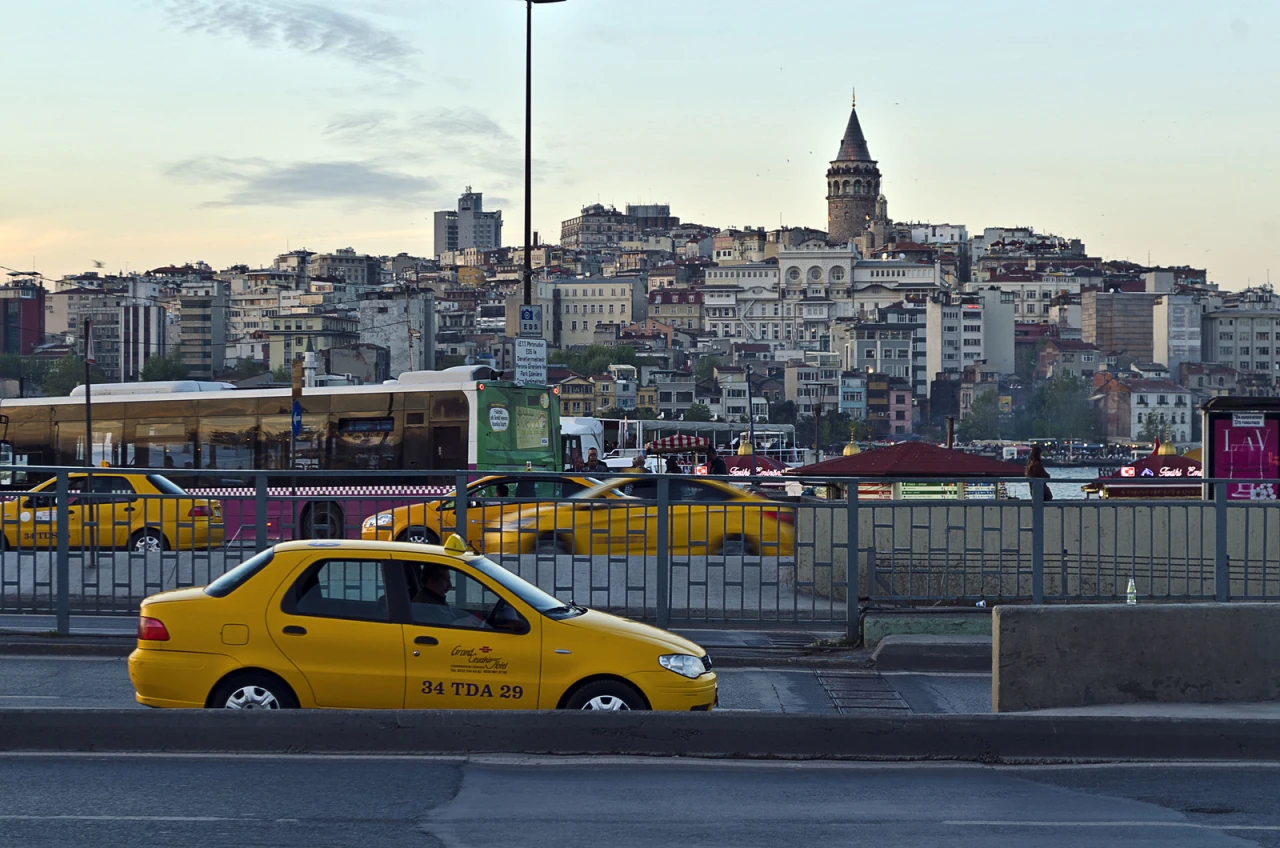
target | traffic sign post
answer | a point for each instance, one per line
(296, 419)
(531, 321)
(531, 361)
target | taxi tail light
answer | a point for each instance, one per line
(198, 511)
(152, 630)
(786, 516)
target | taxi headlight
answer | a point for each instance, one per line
(684, 664)
(383, 519)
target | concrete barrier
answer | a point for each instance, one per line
(1072, 656)
(990, 739)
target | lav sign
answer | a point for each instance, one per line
(531, 321)
(531, 361)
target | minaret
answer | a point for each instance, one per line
(853, 185)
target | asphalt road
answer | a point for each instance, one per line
(179, 801)
(99, 682)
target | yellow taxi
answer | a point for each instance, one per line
(488, 501)
(621, 517)
(393, 625)
(142, 512)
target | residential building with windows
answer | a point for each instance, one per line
(202, 331)
(467, 227)
(574, 308)
(292, 335)
(1128, 404)
(577, 395)
(677, 308)
(813, 381)
(1119, 321)
(356, 269)
(1245, 335)
(22, 316)
(853, 394)
(965, 329)
(1068, 358)
(598, 227)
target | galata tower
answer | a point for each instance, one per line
(853, 185)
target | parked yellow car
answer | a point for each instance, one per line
(488, 501)
(143, 512)
(392, 625)
(621, 517)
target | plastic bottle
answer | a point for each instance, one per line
(1133, 592)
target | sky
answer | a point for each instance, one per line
(142, 133)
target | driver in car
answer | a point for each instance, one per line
(431, 604)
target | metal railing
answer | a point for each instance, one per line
(669, 549)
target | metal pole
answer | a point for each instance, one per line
(261, 543)
(851, 581)
(88, 397)
(1222, 565)
(751, 423)
(63, 555)
(526, 271)
(664, 552)
(1037, 540)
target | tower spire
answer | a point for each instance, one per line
(855, 97)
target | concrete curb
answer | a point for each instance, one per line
(48, 646)
(986, 739)
(922, 653)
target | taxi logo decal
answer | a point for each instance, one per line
(476, 661)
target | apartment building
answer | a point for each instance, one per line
(964, 329)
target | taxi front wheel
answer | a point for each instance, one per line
(606, 695)
(253, 691)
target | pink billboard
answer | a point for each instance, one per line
(1246, 447)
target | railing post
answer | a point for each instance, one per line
(63, 555)
(261, 542)
(459, 509)
(664, 551)
(853, 611)
(1221, 563)
(1037, 540)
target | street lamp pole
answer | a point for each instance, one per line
(527, 269)
(751, 423)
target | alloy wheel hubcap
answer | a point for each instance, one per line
(252, 698)
(606, 702)
(148, 544)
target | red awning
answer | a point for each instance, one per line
(677, 443)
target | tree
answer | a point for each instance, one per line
(244, 369)
(67, 373)
(167, 367)
(983, 420)
(783, 412)
(1060, 409)
(698, 412)
(859, 430)
(704, 368)
(644, 413)
(595, 359)
(283, 373)
(1152, 429)
(449, 360)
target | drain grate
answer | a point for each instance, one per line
(862, 693)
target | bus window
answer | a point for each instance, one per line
(227, 441)
(161, 443)
(448, 447)
(364, 443)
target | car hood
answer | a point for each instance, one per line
(612, 625)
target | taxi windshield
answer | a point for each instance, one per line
(524, 590)
(598, 490)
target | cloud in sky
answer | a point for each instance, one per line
(460, 126)
(259, 182)
(307, 27)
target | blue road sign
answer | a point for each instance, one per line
(297, 419)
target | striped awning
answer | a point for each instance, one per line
(677, 443)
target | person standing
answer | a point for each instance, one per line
(716, 465)
(673, 466)
(594, 465)
(1035, 469)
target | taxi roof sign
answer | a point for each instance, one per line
(455, 545)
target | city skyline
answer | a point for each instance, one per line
(279, 125)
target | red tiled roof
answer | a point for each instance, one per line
(913, 459)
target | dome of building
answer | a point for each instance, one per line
(1167, 449)
(744, 449)
(852, 449)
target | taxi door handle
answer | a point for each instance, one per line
(295, 630)
(426, 640)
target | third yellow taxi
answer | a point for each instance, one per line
(112, 509)
(621, 517)
(392, 625)
(489, 499)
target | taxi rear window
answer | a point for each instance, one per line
(238, 576)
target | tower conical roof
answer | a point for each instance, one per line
(853, 147)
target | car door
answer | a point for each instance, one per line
(110, 514)
(481, 649)
(332, 620)
(485, 503)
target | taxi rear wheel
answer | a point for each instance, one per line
(419, 536)
(148, 540)
(606, 695)
(253, 691)
(551, 543)
(737, 546)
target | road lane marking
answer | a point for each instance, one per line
(33, 697)
(1183, 824)
(194, 819)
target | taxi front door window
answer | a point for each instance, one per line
(473, 651)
